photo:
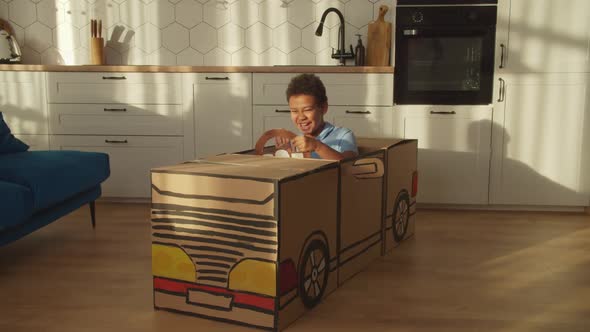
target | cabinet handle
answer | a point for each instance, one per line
(283, 111)
(114, 78)
(115, 141)
(115, 110)
(358, 112)
(502, 92)
(443, 112)
(503, 47)
(217, 78)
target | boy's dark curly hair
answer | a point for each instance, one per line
(308, 84)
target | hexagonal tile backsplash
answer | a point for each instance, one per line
(187, 32)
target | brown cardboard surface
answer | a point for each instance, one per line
(361, 213)
(233, 236)
(308, 214)
(402, 163)
(248, 166)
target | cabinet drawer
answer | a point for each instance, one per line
(342, 89)
(23, 102)
(132, 88)
(131, 158)
(271, 117)
(368, 121)
(115, 119)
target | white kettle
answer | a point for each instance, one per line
(9, 49)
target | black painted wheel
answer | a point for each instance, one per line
(313, 273)
(401, 215)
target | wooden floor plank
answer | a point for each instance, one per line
(463, 271)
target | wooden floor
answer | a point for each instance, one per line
(463, 271)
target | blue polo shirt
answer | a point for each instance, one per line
(338, 138)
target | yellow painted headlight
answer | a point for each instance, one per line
(254, 276)
(172, 262)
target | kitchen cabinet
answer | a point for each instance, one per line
(361, 102)
(454, 151)
(23, 103)
(222, 104)
(136, 118)
(541, 143)
(342, 89)
(368, 121)
(130, 157)
(543, 36)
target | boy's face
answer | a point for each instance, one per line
(306, 115)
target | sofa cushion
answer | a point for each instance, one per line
(54, 176)
(9, 143)
(16, 204)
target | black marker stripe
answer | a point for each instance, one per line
(217, 250)
(214, 258)
(163, 206)
(212, 279)
(214, 198)
(244, 222)
(359, 242)
(221, 176)
(253, 308)
(247, 230)
(213, 233)
(360, 252)
(214, 241)
(288, 302)
(221, 265)
(223, 320)
(212, 272)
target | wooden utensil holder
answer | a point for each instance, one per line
(97, 51)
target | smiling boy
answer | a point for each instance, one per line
(308, 103)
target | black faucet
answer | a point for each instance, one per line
(341, 52)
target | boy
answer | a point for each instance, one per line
(308, 102)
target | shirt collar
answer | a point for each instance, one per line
(328, 127)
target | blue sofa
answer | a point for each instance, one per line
(39, 187)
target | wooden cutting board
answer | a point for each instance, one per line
(379, 40)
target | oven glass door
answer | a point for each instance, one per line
(444, 65)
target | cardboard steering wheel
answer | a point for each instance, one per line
(284, 133)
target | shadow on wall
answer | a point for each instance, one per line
(522, 184)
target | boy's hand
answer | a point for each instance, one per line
(282, 143)
(305, 143)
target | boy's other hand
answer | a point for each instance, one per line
(305, 143)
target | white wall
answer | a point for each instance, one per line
(187, 32)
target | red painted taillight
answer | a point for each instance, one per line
(288, 275)
(414, 183)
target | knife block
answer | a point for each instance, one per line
(97, 51)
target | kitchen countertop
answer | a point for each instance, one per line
(198, 69)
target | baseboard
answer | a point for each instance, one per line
(135, 200)
(539, 208)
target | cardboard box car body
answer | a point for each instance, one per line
(258, 241)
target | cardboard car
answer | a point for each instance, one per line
(259, 240)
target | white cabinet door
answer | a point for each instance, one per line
(367, 121)
(541, 141)
(341, 89)
(544, 36)
(271, 117)
(23, 102)
(454, 151)
(131, 158)
(223, 112)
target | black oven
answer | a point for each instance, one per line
(444, 54)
